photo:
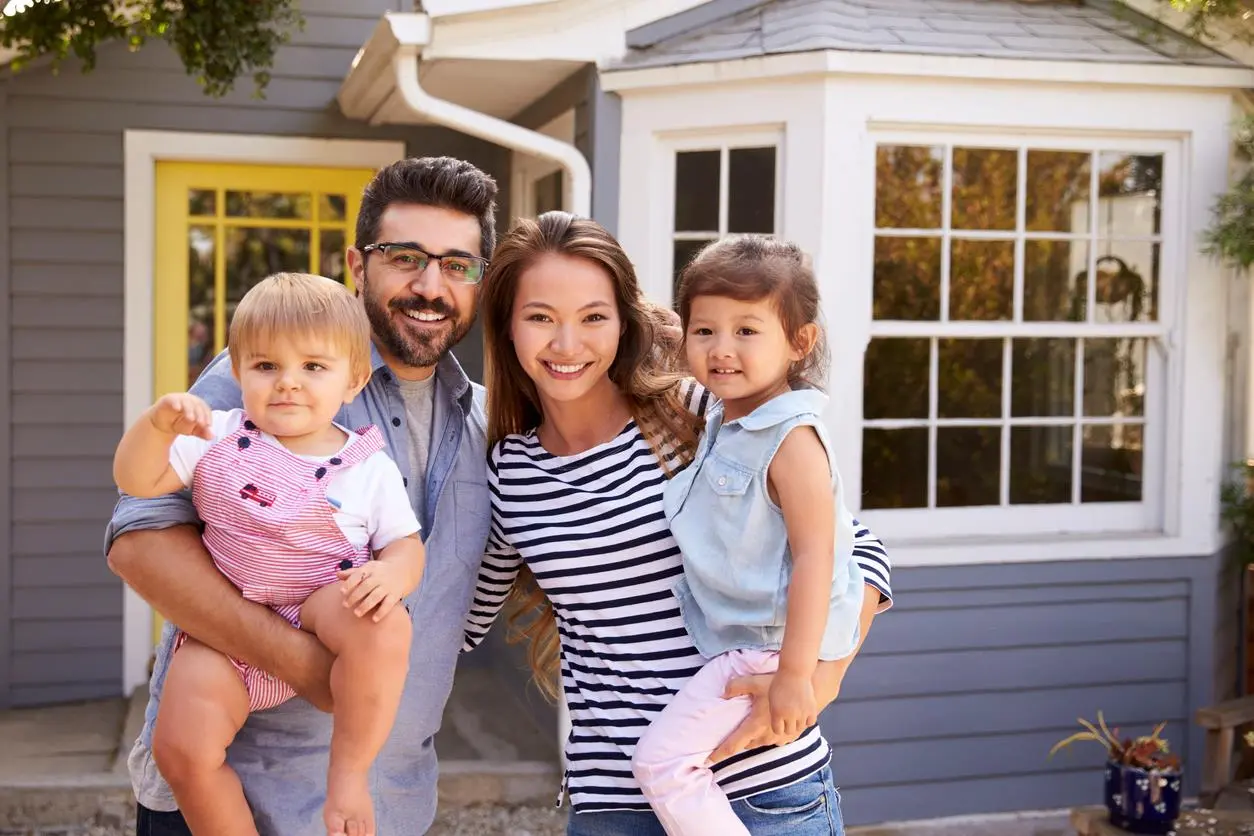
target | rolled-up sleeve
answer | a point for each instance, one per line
(217, 386)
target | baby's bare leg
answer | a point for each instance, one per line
(372, 661)
(203, 705)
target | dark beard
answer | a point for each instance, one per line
(421, 351)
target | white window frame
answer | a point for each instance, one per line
(1164, 383)
(724, 141)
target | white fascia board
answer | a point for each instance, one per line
(829, 63)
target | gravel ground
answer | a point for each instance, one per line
(482, 820)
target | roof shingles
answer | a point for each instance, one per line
(1091, 30)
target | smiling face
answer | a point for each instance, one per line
(418, 316)
(565, 327)
(293, 387)
(740, 352)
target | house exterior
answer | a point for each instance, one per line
(1041, 453)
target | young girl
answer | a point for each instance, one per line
(769, 584)
(292, 503)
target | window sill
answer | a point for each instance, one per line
(955, 551)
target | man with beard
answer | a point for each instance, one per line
(424, 232)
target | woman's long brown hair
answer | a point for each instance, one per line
(644, 370)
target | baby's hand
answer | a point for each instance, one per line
(377, 585)
(793, 706)
(182, 413)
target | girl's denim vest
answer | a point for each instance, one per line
(737, 563)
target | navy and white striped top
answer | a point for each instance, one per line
(590, 527)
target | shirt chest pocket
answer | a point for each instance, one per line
(728, 499)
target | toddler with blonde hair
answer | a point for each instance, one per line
(304, 516)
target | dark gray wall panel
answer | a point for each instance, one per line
(961, 688)
(61, 296)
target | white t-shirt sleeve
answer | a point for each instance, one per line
(390, 516)
(187, 450)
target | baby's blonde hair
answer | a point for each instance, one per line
(295, 305)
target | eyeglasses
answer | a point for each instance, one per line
(408, 257)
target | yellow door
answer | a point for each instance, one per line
(223, 228)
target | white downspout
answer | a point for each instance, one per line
(578, 181)
(577, 190)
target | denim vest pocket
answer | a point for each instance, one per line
(727, 478)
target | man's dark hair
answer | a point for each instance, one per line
(445, 182)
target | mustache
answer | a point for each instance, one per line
(419, 304)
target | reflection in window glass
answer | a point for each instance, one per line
(1036, 392)
(295, 206)
(908, 186)
(985, 182)
(254, 253)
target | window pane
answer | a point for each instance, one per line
(1040, 464)
(331, 257)
(969, 378)
(1042, 378)
(751, 190)
(331, 207)
(1130, 199)
(895, 379)
(685, 251)
(696, 191)
(907, 278)
(1127, 282)
(1058, 185)
(1114, 377)
(253, 254)
(1110, 464)
(202, 201)
(894, 468)
(981, 279)
(968, 466)
(1053, 281)
(267, 205)
(908, 186)
(985, 184)
(200, 298)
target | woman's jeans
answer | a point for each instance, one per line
(810, 807)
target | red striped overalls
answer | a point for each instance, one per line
(271, 528)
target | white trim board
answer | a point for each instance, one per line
(142, 150)
(894, 64)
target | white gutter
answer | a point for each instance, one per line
(577, 195)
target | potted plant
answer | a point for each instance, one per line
(1143, 777)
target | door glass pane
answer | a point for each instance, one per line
(331, 258)
(331, 207)
(268, 205)
(253, 254)
(200, 299)
(751, 190)
(202, 202)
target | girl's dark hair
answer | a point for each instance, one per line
(750, 268)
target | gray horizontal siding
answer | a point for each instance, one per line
(61, 286)
(963, 687)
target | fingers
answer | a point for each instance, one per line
(389, 601)
(374, 599)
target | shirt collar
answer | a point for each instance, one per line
(783, 407)
(448, 374)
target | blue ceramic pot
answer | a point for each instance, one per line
(1141, 801)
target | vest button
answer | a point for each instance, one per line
(722, 480)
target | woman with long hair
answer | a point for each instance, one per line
(588, 419)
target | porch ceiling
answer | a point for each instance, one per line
(501, 88)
